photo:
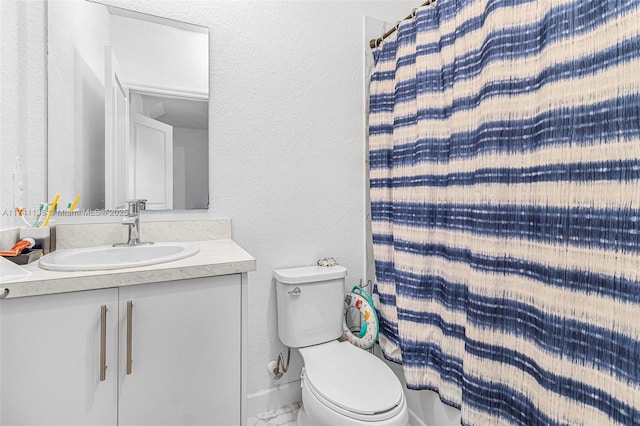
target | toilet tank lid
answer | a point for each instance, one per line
(309, 274)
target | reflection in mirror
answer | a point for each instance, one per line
(128, 108)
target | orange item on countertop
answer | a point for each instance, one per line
(19, 247)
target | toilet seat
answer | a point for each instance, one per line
(351, 381)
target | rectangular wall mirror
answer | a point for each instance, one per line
(128, 100)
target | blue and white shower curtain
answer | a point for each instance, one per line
(505, 191)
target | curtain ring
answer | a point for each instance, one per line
(413, 12)
(398, 25)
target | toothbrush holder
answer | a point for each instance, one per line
(42, 236)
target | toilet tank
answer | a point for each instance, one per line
(310, 304)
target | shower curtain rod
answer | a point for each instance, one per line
(375, 42)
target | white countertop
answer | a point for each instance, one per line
(216, 257)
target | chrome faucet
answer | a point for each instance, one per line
(132, 219)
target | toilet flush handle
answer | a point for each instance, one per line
(295, 292)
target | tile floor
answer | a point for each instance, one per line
(285, 416)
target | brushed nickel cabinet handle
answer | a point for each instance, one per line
(103, 343)
(129, 336)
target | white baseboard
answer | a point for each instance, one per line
(273, 398)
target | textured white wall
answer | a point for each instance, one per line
(286, 134)
(23, 124)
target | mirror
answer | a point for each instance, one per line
(128, 99)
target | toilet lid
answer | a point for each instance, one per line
(351, 378)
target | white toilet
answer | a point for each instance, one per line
(341, 384)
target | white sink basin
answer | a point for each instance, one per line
(109, 257)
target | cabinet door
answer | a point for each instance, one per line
(185, 352)
(50, 359)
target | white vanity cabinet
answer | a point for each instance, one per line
(50, 359)
(185, 352)
(184, 340)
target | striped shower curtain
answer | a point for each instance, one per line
(505, 192)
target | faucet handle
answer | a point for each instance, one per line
(136, 206)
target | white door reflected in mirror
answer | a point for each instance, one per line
(151, 150)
